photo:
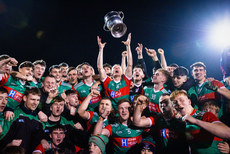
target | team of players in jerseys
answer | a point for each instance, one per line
(119, 110)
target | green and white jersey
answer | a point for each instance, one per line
(123, 137)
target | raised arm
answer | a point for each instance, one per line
(153, 54)
(100, 59)
(137, 119)
(84, 105)
(129, 68)
(216, 128)
(123, 61)
(140, 59)
(163, 60)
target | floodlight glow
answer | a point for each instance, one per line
(220, 34)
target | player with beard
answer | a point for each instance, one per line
(84, 87)
(203, 129)
(160, 77)
(123, 134)
(72, 76)
(119, 87)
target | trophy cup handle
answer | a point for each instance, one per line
(105, 28)
(121, 14)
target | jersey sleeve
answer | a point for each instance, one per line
(109, 128)
(127, 80)
(39, 149)
(210, 117)
(106, 81)
(151, 120)
(90, 115)
(4, 78)
(218, 84)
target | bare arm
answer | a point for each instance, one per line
(100, 59)
(217, 128)
(83, 107)
(163, 60)
(137, 119)
(123, 61)
(129, 68)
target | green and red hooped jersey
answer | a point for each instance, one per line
(15, 88)
(93, 119)
(154, 98)
(83, 90)
(200, 140)
(123, 137)
(202, 93)
(117, 90)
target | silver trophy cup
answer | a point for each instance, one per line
(114, 23)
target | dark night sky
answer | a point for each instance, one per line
(68, 30)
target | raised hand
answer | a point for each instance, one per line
(124, 54)
(101, 45)
(151, 52)
(128, 41)
(139, 49)
(94, 93)
(160, 51)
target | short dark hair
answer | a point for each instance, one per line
(53, 66)
(71, 68)
(57, 99)
(122, 101)
(70, 91)
(198, 64)
(3, 90)
(107, 65)
(26, 64)
(50, 76)
(32, 90)
(63, 64)
(138, 66)
(180, 71)
(40, 62)
(4, 57)
(56, 127)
